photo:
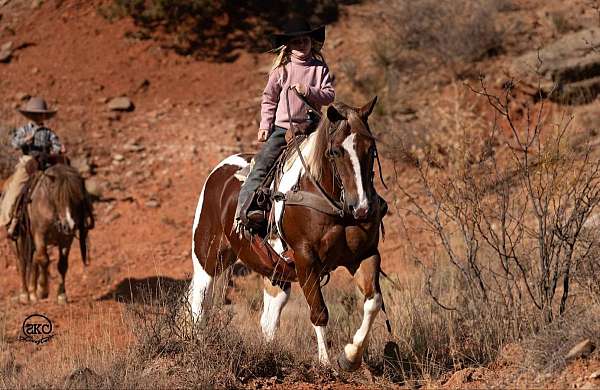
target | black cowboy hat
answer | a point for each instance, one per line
(297, 28)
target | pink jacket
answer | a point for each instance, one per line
(310, 72)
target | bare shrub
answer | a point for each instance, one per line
(443, 31)
(546, 351)
(512, 227)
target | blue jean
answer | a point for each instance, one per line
(263, 162)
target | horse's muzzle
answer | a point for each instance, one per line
(360, 213)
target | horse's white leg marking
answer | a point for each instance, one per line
(269, 320)
(69, 218)
(348, 144)
(201, 281)
(322, 343)
(371, 308)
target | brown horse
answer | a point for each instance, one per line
(340, 156)
(59, 208)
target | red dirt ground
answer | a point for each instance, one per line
(189, 115)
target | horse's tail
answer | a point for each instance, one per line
(73, 200)
(85, 226)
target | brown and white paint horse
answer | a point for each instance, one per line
(340, 155)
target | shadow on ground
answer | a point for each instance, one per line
(145, 290)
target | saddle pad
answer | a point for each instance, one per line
(242, 173)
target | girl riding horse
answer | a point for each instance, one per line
(299, 65)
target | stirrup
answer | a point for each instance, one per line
(256, 216)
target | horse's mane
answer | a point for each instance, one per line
(67, 188)
(316, 157)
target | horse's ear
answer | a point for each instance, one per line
(367, 109)
(334, 115)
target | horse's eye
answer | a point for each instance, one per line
(335, 152)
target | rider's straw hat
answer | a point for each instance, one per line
(37, 107)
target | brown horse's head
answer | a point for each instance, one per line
(350, 147)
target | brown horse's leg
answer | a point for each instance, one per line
(309, 278)
(24, 269)
(63, 266)
(367, 279)
(40, 261)
(275, 297)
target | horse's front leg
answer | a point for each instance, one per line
(367, 279)
(274, 299)
(309, 278)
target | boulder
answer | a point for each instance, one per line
(582, 349)
(568, 70)
(6, 52)
(94, 188)
(121, 103)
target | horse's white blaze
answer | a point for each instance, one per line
(322, 343)
(69, 218)
(201, 281)
(273, 305)
(371, 308)
(348, 144)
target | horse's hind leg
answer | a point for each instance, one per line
(63, 266)
(219, 256)
(275, 298)
(367, 279)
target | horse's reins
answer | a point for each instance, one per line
(334, 204)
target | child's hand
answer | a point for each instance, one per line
(262, 135)
(300, 88)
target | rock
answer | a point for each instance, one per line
(22, 96)
(153, 203)
(6, 52)
(94, 188)
(571, 64)
(36, 4)
(112, 218)
(82, 165)
(4, 2)
(35, 70)
(83, 378)
(121, 103)
(466, 375)
(582, 349)
(102, 100)
(595, 375)
(588, 386)
(118, 157)
(134, 147)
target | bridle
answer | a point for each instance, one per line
(339, 205)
